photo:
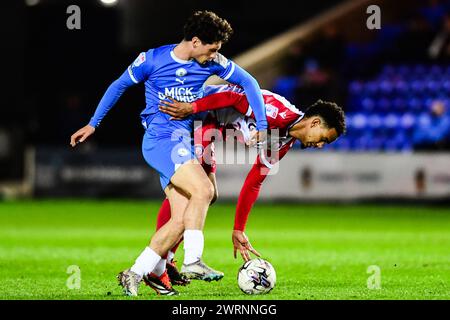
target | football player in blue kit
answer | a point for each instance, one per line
(178, 71)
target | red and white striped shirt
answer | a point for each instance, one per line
(281, 115)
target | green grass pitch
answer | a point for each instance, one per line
(318, 251)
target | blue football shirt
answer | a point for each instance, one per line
(164, 74)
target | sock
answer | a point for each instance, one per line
(171, 253)
(193, 245)
(170, 256)
(160, 268)
(163, 214)
(146, 262)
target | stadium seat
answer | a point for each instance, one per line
(389, 108)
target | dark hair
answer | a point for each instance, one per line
(331, 114)
(208, 27)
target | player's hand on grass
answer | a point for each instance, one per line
(177, 110)
(81, 135)
(241, 243)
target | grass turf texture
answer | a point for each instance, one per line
(318, 251)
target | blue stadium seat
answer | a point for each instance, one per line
(383, 105)
(342, 144)
(436, 71)
(371, 88)
(417, 86)
(286, 86)
(394, 105)
(386, 87)
(399, 105)
(414, 104)
(375, 121)
(368, 104)
(359, 121)
(401, 87)
(419, 70)
(445, 87)
(407, 121)
(391, 121)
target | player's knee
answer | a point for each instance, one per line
(204, 191)
(210, 191)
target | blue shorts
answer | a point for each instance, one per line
(167, 151)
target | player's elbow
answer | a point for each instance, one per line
(120, 84)
(123, 82)
(250, 82)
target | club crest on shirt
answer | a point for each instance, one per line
(181, 72)
(271, 111)
(183, 152)
(139, 60)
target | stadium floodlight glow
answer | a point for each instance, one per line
(108, 3)
(31, 2)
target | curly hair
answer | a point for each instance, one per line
(331, 114)
(208, 27)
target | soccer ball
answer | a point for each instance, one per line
(256, 276)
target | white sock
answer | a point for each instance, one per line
(146, 262)
(193, 245)
(170, 256)
(160, 267)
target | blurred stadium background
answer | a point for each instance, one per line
(393, 83)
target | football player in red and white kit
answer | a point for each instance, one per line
(320, 124)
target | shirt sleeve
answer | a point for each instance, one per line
(231, 72)
(221, 100)
(138, 71)
(253, 93)
(109, 99)
(223, 67)
(141, 68)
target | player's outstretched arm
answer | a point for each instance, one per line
(109, 99)
(81, 135)
(112, 94)
(254, 97)
(179, 110)
(247, 198)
